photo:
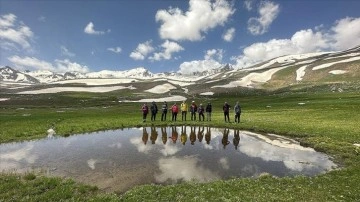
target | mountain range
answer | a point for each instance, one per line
(290, 70)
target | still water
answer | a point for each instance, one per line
(118, 160)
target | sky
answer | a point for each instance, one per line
(169, 35)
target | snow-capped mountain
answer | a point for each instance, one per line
(10, 75)
(299, 68)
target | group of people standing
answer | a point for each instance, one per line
(193, 109)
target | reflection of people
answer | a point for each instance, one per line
(225, 140)
(192, 135)
(164, 110)
(200, 134)
(236, 139)
(208, 110)
(237, 110)
(208, 135)
(193, 109)
(174, 134)
(184, 108)
(174, 110)
(145, 111)
(226, 109)
(154, 111)
(164, 134)
(145, 136)
(201, 112)
(183, 136)
(154, 135)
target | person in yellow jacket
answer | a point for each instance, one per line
(184, 109)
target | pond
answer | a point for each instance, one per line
(118, 160)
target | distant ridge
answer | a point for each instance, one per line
(280, 72)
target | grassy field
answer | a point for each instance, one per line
(328, 122)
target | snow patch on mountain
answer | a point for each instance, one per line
(300, 73)
(207, 93)
(343, 56)
(322, 66)
(338, 72)
(95, 82)
(99, 89)
(160, 89)
(174, 98)
(285, 60)
(252, 78)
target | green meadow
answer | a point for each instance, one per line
(326, 121)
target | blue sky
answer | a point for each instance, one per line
(169, 35)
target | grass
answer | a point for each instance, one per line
(327, 122)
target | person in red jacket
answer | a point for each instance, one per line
(174, 111)
(145, 111)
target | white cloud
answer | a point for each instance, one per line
(89, 29)
(142, 50)
(36, 64)
(202, 16)
(66, 52)
(115, 50)
(32, 62)
(13, 34)
(229, 34)
(344, 34)
(169, 47)
(210, 62)
(248, 4)
(68, 66)
(214, 54)
(268, 12)
(42, 19)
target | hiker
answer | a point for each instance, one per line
(145, 111)
(184, 109)
(201, 112)
(154, 110)
(226, 109)
(237, 110)
(174, 110)
(193, 109)
(208, 110)
(164, 109)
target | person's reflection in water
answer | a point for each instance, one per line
(164, 134)
(225, 140)
(183, 135)
(174, 134)
(192, 135)
(236, 139)
(145, 136)
(154, 135)
(208, 135)
(200, 134)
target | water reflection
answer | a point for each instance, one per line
(120, 159)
